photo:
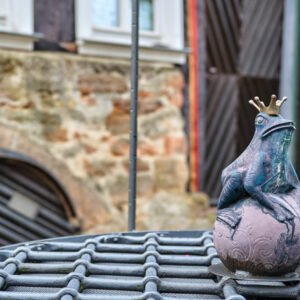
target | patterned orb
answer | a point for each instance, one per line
(259, 244)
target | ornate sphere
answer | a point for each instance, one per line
(258, 244)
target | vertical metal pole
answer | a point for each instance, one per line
(289, 66)
(133, 113)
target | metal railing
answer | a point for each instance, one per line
(161, 265)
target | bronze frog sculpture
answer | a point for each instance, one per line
(258, 219)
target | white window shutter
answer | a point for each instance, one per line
(4, 14)
(16, 24)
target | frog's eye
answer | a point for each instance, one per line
(259, 120)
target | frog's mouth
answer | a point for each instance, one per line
(278, 126)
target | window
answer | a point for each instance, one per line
(16, 24)
(145, 14)
(105, 13)
(103, 27)
(117, 14)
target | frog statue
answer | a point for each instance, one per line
(257, 228)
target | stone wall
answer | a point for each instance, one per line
(76, 108)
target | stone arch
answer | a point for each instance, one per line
(84, 208)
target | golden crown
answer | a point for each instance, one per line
(274, 107)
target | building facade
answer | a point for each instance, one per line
(65, 88)
(67, 93)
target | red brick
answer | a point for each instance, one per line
(120, 147)
(106, 138)
(102, 83)
(144, 94)
(91, 101)
(98, 168)
(121, 105)
(177, 99)
(57, 135)
(76, 135)
(144, 106)
(174, 144)
(118, 123)
(149, 106)
(176, 81)
(147, 149)
(142, 165)
(88, 148)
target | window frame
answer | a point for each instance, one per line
(18, 33)
(124, 21)
(166, 40)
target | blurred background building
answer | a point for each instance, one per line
(65, 102)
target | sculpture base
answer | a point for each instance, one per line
(248, 237)
(221, 270)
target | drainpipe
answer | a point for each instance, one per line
(289, 65)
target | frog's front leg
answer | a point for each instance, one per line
(232, 190)
(253, 185)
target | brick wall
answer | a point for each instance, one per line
(77, 109)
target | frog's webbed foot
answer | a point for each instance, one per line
(282, 214)
(283, 208)
(286, 217)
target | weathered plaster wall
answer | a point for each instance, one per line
(77, 109)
